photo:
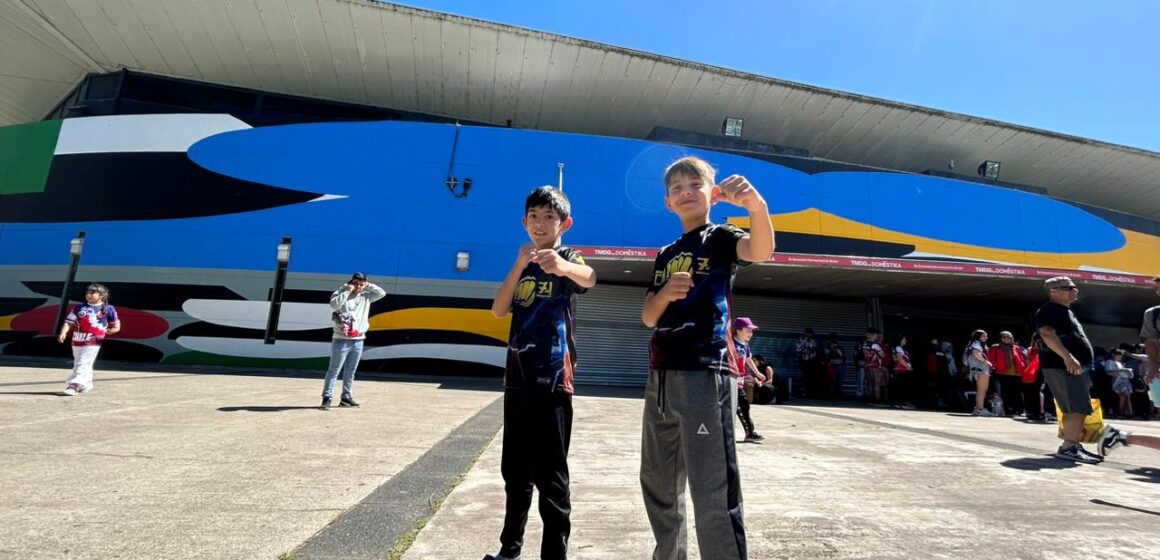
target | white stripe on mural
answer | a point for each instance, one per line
(140, 133)
(491, 355)
(294, 349)
(250, 348)
(253, 314)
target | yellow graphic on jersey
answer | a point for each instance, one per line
(525, 291)
(683, 262)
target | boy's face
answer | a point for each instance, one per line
(690, 196)
(744, 334)
(94, 297)
(544, 226)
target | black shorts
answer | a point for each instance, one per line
(1072, 392)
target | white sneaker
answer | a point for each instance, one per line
(70, 390)
(1112, 439)
(85, 389)
(984, 413)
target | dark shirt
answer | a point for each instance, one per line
(693, 334)
(541, 353)
(1070, 332)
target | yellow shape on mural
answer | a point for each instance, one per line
(476, 321)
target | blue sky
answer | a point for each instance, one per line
(1090, 69)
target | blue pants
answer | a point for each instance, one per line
(344, 355)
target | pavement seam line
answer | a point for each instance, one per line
(385, 522)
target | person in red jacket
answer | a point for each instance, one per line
(1009, 360)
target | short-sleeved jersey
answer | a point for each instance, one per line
(873, 356)
(91, 323)
(692, 334)
(541, 353)
(1070, 332)
(1151, 326)
(807, 348)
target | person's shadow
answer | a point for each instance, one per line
(264, 408)
(1145, 474)
(51, 393)
(1122, 506)
(1038, 464)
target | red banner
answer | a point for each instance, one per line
(900, 265)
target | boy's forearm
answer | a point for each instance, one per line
(115, 327)
(1152, 349)
(502, 304)
(654, 307)
(582, 274)
(761, 240)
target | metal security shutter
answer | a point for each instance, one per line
(611, 342)
(781, 321)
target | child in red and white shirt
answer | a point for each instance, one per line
(90, 322)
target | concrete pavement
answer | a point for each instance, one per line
(204, 465)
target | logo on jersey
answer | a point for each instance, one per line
(525, 291)
(683, 262)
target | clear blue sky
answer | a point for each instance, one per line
(1090, 69)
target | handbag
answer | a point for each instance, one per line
(1093, 424)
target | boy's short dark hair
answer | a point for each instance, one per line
(550, 197)
(100, 289)
(691, 166)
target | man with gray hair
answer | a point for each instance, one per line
(1065, 359)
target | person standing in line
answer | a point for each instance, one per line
(902, 376)
(979, 370)
(540, 292)
(1009, 359)
(835, 365)
(807, 353)
(1150, 332)
(90, 322)
(687, 434)
(1065, 358)
(874, 358)
(748, 375)
(350, 314)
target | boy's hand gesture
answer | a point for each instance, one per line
(677, 288)
(549, 260)
(736, 190)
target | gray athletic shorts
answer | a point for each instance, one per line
(1072, 392)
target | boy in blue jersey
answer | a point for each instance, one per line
(688, 424)
(540, 293)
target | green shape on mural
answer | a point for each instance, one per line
(26, 156)
(205, 358)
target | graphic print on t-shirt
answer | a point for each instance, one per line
(91, 323)
(541, 347)
(692, 333)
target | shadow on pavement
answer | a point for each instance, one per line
(1130, 508)
(1145, 474)
(264, 408)
(1038, 464)
(53, 393)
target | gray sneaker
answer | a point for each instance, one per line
(984, 413)
(1112, 439)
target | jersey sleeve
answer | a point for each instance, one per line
(573, 256)
(725, 238)
(72, 315)
(111, 314)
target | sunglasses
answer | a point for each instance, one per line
(1066, 288)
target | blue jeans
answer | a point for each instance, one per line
(344, 355)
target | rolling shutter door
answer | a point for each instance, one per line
(781, 321)
(611, 341)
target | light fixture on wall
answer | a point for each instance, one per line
(732, 127)
(989, 169)
(462, 261)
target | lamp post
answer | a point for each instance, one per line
(276, 294)
(75, 248)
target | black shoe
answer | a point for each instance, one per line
(325, 403)
(347, 401)
(1076, 454)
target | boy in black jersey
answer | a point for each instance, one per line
(688, 424)
(540, 293)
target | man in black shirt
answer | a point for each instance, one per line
(1065, 359)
